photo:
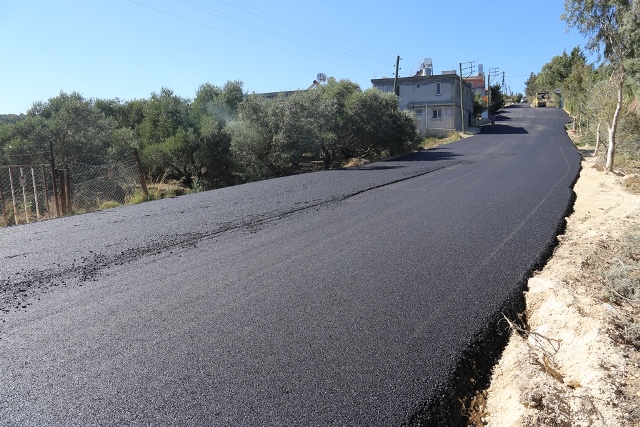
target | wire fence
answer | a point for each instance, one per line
(95, 187)
(31, 193)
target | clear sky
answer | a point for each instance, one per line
(128, 49)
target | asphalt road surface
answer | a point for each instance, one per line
(359, 297)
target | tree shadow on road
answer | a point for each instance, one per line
(503, 129)
(430, 155)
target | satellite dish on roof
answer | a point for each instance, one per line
(321, 77)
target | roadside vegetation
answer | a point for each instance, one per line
(221, 137)
(604, 104)
(603, 100)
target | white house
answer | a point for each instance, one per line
(434, 99)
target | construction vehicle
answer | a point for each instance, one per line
(541, 99)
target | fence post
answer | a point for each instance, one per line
(35, 193)
(13, 197)
(143, 181)
(23, 184)
(53, 179)
(3, 207)
(46, 192)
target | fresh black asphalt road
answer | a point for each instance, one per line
(355, 297)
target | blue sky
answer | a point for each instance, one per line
(128, 49)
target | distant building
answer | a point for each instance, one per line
(434, 99)
(477, 84)
(287, 93)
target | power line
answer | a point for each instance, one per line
(276, 33)
(251, 39)
(296, 24)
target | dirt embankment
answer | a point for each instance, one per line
(577, 361)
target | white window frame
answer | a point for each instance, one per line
(436, 114)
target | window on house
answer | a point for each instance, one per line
(419, 112)
(438, 92)
(436, 114)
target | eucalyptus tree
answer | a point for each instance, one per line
(612, 29)
(576, 88)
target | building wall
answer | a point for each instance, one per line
(435, 101)
(477, 84)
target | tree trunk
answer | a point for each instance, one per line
(595, 152)
(580, 124)
(614, 125)
(611, 151)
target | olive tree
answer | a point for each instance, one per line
(70, 124)
(375, 124)
(272, 136)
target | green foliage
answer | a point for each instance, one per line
(221, 137)
(163, 114)
(479, 104)
(77, 130)
(190, 142)
(561, 71)
(140, 197)
(338, 135)
(576, 86)
(612, 28)
(497, 99)
(272, 136)
(10, 118)
(107, 204)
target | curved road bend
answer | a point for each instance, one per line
(367, 296)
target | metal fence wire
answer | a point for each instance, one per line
(96, 187)
(32, 192)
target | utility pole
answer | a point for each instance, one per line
(461, 86)
(396, 89)
(488, 93)
(493, 71)
(461, 103)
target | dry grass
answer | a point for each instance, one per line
(166, 189)
(436, 141)
(631, 183)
